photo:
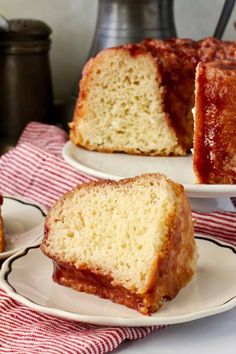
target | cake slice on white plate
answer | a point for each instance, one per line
(130, 241)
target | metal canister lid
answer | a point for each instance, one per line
(27, 29)
(24, 36)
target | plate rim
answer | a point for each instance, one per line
(25, 201)
(105, 320)
(193, 190)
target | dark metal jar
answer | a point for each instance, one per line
(25, 77)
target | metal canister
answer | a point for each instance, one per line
(130, 21)
(25, 77)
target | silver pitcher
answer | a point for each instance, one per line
(122, 21)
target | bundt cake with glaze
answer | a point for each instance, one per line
(214, 158)
(129, 241)
(138, 98)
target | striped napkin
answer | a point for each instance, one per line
(35, 170)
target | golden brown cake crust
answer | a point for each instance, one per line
(215, 123)
(173, 269)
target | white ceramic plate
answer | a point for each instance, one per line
(23, 224)
(116, 166)
(27, 277)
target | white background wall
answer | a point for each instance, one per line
(73, 23)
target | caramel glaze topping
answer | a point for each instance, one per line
(90, 282)
(215, 131)
(177, 59)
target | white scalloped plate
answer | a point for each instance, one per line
(27, 278)
(116, 166)
(23, 222)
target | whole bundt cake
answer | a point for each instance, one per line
(138, 98)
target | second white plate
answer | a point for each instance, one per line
(23, 223)
(116, 166)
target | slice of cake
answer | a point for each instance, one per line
(215, 123)
(130, 241)
(121, 105)
(1, 227)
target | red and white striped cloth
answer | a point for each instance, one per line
(36, 170)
